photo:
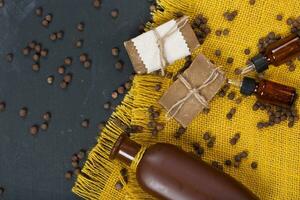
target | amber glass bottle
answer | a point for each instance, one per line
(169, 173)
(276, 54)
(267, 91)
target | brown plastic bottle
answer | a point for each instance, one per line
(268, 91)
(169, 173)
(276, 54)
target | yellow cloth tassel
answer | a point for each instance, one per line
(276, 149)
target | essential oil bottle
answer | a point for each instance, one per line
(167, 173)
(276, 54)
(267, 91)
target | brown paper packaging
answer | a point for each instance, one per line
(196, 75)
(139, 66)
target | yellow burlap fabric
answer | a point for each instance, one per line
(275, 149)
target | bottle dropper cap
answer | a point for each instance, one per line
(248, 86)
(260, 62)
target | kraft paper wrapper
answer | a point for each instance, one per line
(139, 66)
(196, 74)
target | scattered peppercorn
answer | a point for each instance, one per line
(35, 67)
(181, 130)
(230, 60)
(218, 52)
(47, 116)
(50, 80)
(252, 2)
(44, 126)
(279, 17)
(154, 132)
(85, 123)
(114, 13)
(115, 51)
(114, 95)
(34, 129)
(127, 85)
(118, 186)
(206, 136)
(77, 171)
(119, 65)
(121, 90)
(79, 43)
(235, 139)
(201, 28)
(81, 154)
(53, 37)
(230, 16)
(87, 64)
(211, 142)
(45, 23)
(239, 100)
(97, 3)
(107, 105)
(228, 162)
(2, 3)
(75, 164)
(254, 165)
(226, 31)
(157, 87)
(83, 57)
(26, 51)
(32, 44)
(231, 95)
(39, 11)
(68, 175)
(9, 57)
(68, 78)
(74, 157)
(35, 57)
(198, 149)
(23, 112)
(80, 27)
(48, 17)
(61, 69)
(44, 52)
(60, 35)
(68, 61)
(63, 85)
(2, 106)
(247, 51)
(218, 32)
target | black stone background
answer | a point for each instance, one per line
(32, 168)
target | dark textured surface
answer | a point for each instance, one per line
(33, 167)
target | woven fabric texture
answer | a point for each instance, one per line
(275, 149)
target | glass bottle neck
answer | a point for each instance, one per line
(125, 150)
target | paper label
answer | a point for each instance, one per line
(147, 46)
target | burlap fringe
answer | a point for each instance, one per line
(98, 167)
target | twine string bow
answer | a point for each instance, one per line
(161, 41)
(193, 92)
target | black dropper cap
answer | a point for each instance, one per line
(260, 62)
(248, 86)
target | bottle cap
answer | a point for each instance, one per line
(260, 62)
(248, 86)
